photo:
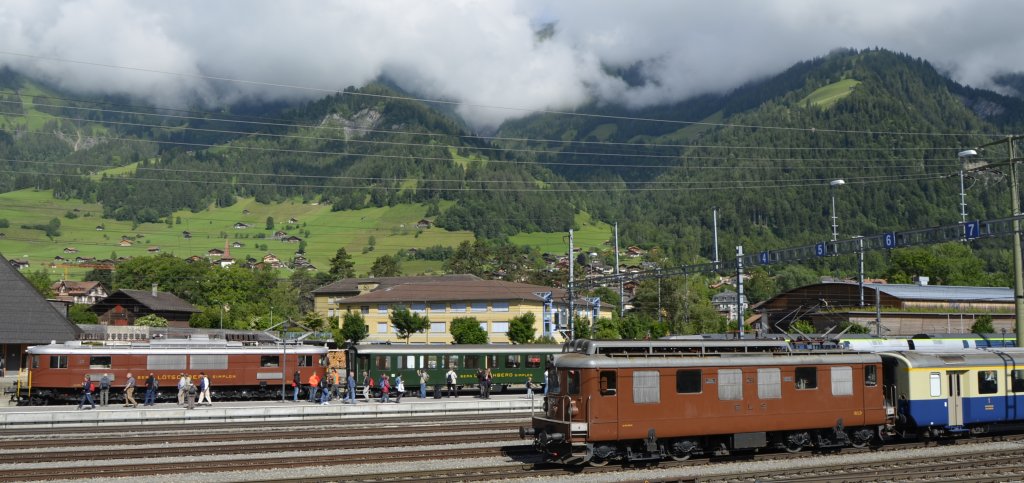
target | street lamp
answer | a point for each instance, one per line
(835, 225)
(1018, 272)
(964, 155)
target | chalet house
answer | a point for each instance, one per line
(272, 261)
(725, 303)
(245, 212)
(424, 224)
(99, 228)
(280, 234)
(125, 243)
(635, 252)
(124, 306)
(225, 262)
(291, 239)
(20, 264)
(186, 234)
(26, 319)
(215, 252)
(70, 250)
(153, 249)
(82, 293)
(193, 259)
(237, 244)
(292, 221)
(80, 260)
(3, 235)
(242, 226)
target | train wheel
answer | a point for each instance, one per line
(679, 457)
(796, 442)
(861, 439)
(597, 463)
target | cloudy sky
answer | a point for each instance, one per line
(484, 54)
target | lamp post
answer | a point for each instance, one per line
(1018, 272)
(835, 225)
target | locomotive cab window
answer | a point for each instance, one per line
(573, 382)
(305, 361)
(871, 376)
(806, 377)
(99, 362)
(58, 362)
(688, 381)
(987, 382)
(1017, 378)
(270, 361)
(608, 383)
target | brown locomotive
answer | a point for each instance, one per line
(642, 401)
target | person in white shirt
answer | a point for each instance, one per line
(451, 379)
(204, 389)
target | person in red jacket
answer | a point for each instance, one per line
(314, 381)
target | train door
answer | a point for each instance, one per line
(604, 406)
(954, 400)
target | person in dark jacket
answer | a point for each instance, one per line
(296, 382)
(87, 393)
(151, 386)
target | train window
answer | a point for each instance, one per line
(381, 362)
(99, 362)
(608, 383)
(512, 361)
(58, 362)
(432, 362)
(270, 361)
(1017, 378)
(208, 361)
(730, 384)
(806, 377)
(842, 381)
(987, 382)
(305, 360)
(532, 361)
(471, 361)
(934, 384)
(35, 362)
(492, 361)
(572, 382)
(407, 362)
(871, 376)
(688, 381)
(769, 383)
(451, 361)
(165, 362)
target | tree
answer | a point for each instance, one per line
(636, 326)
(545, 339)
(520, 329)
(803, 326)
(761, 286)
(151, 320)
(407, 323)
(606, 329)
(467, 330)
(80, 314)
(40, 280)
(386, 266)
(342, 265)
(270, 223)
(353, 328)
(983, 325)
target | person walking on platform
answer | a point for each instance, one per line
(314, 381)
(104, 389)
(335, 384)
(129, 392)
(385, 388)
(181, 389)
(350, 391)
(151, 386)
(399, 387)
(296, 382)
(325, 390)
(87, 389)
(190, 393)
(529, 387)
(367, 386)
(424, 377)
(545, 382)
(204, 390)
(487, 384)
(451, 378)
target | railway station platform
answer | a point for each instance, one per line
(15, 417)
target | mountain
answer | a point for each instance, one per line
(763, 154)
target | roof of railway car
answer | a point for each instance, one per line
(961, 358)
(583, 361)
(171, 348)
(586, 346)
(457, 349)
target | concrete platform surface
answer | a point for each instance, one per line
(15, 417)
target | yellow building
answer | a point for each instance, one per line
(443, 298)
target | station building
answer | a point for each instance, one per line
(445, 297)
(904, 309)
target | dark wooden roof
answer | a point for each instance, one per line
(25, 316)
(161, 302)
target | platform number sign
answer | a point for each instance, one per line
(821, 249)
(890, 239)
(764, 258)
(972, 229)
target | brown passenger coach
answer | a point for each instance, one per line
(637, 401)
